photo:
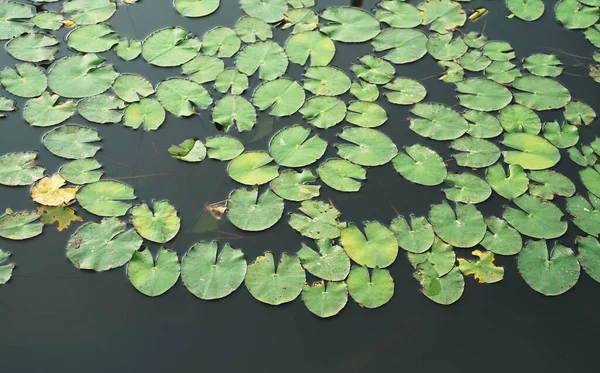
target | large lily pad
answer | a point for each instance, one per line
(463, 228)
(159, 226)
(537, 218)
(153, 278)
(81, 76)
(272, 285)
(377, 247)
(370, 290)
(249, 212)
(330, 263)
(105, 197)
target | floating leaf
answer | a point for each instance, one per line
(251, 168)
(543, 65)
(532, 152)
(45, 111)
(303, 20)
(405, 91)
(364, 91)
(349, 25)
(105, 197)
(441, 257)
(414, 238)
(272, 285)
(27, 80)
(538, 218)
(443, 290)
(550, 183)
(5, 269)
(15, 19)
(578, 112)
(269, 11)
(325, 301)
(33, 47)
(210, 276)
(342, 175)
(442, 47)
(575, 15)
(398, 14)
(101, 109)
(483, 94)
(326, 81)
(132, 87)
(404, 46)
(231, 79)
(203, 68)
(87, 12)
(370, 290)
(248, 212)
(541, 93)
(502, 72)
(223, 148)
(527, 10)
(378, 249)
(128, 49)
(72, 141)
(477, 153)
(311, 44)
(196, 8)
(170, 47)
(249, 29)
(443, 15)
(102, 246)
(586, 215)
(285, 96)
(265, 56)
(321, 220)
(500, 238)
(150, 278)
(483, 269)
(474, 60)
(292, 147)
(159, 226)
(49, 191)
(482, 125)
(500, 51)
(190, 150)
(518, 118)
(233, 109)
(17, 169)
(588, 257)
(331, 262)
(81, 76)
(551, 274)
(467, 188)
(20, 225)
(323, 111)
(437, 122)
(221, 41)
(454, 72)
(465, 229)
(370, 147)
(585, 157)
(294, 186)
(374, 70)
(92, 38)
(81, 171)
(147, 111)
(178, 96)
(421, 165)
(366, 114)
(511, 186)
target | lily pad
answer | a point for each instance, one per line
(292, 147)
(398, 14)
(170, 47)
(51, 191)
(324, 111)
(285, 96)
(313, 45)
(159, 226)
(443, 290)
(543, 65)
(101, 108)
(366, 114)
(326, 81)
(269, 11)
(476, 153)
(251, 29)
(415, 238)
(321, 220)
(26, 80)
(252, 168)
(405, 91)
(88, 12)
(466, 188)
(17, 169)
(132, 87)
(518, 118)
(404, 46)
(203, 69)
(81, 76)
(465, 228)
(153, 278)
(539, 93)
(179, 96)
(249, 212)
(45, 111)
(508, 186)
(330, 263)
(92, 38)
(369, 147)
(5, 269)
(484, 270)
(420, 165)
(342, 175)
(501, 238)
(20, 226)
(537, 218)
(377, 247)
(325, 301)
(349, 25)
(374, 70)
(272, 285)
(72, 141)
(483, 94)
(438, 122)
(223, 148)
(588, 257)
(370, 290)
(575, 15)
(586, 215)
(549, 184)
(443, 15)
(527, 10)
(190, 150)
(295, 186)
(441, 257)
(16, 19)
(33, 47)
(81, 171)
(482, 125)
(147, 111)
(532, 152)
(578, 112)
(196, 8)
(105, 198)
(233, 109)
(266, 57)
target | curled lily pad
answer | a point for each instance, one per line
(321, 220)
(414, 238)
(377, 247)
(370, 290)
(252, 168)
(324, 111)
(170, 47)
(292, 147)
(72, 141)
(249, 212)
(102, 246)
(45, 111)
(325, 300)
(105, 198)
(81, 76)
(294, 186)
(537, 218)
(17, 169)
(272, 285)
(266, 57)
(331, 262)
(420, 165)
(160, 225)
(465, 228)
(311, 44)
(369, 147)
(50, 191)
(532, 152)
(190, 150)
(404, 46)
(26, 80)
(349, 25)
(342, 175)
(210, 276)
(20, 225)
(285, 96)
(179, 96)
(550, 274)
(153, 278)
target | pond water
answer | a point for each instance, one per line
(57, 317)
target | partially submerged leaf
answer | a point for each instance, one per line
(63, 215)
(443, 290)
(190, 150)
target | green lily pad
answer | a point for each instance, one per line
(508, 186)
(16, 19)
(527, 10)
(537, 218)
(454, 72)
(251, 168)
(81, 76)
(477, 153)
(26, 80)
(92, 38)
(326, 81)
(103, 246)
(5, 269)
(586, 215)
(190, 150)
(160, 226)
(302, 19)
(543, 65)
(588, 257)
(72, 141)
(233, 109)
(132, 87)
(532, 152)
(575, 15)
(483, 94)
(88, 12)
(81, 171)
(20, 225)
(420, 165)
(325, 301)
(549, 184)
(438, 122)
(105, 197)
(370, 290)
(585, 157)
(101, 108)
(250, 29)
(342, 175)
(443, 47)
(541, 93)
(466, 188)
(501, 238)
(475, 39)
(465, 228)
(170, 47)
(443, 15)
(223, 148)
(266, 57)
(269, 11)
(272, 285)
(376, 248)
(482, 125)
(561, 137)
(203, 69)
(415, 238)
(374, 70)
(404, 46)
(441, 257)
(292, 147)
(321, 220)
(196, 8)
(311, 44)
(33, 47)
(578, 112)
(18, 169)
(499, 51)
(549, 274)
(147, 111)
(249, 212)
(369, 147)
(484, 270)
(366, 114)
(153, 278)
(231, 79)
(398, 14)
(285, 96)
(405, 91)
(221, 41)
(474, 60)
(210, 276)
(179, 96)
(349, 25)
(323, 111)
(128, 49)
(294, 186)
(502, 72)
(331, 262)
(45, 111)
(443, 290)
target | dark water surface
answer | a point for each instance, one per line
(57, 318)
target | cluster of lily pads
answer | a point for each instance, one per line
(498, 132)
